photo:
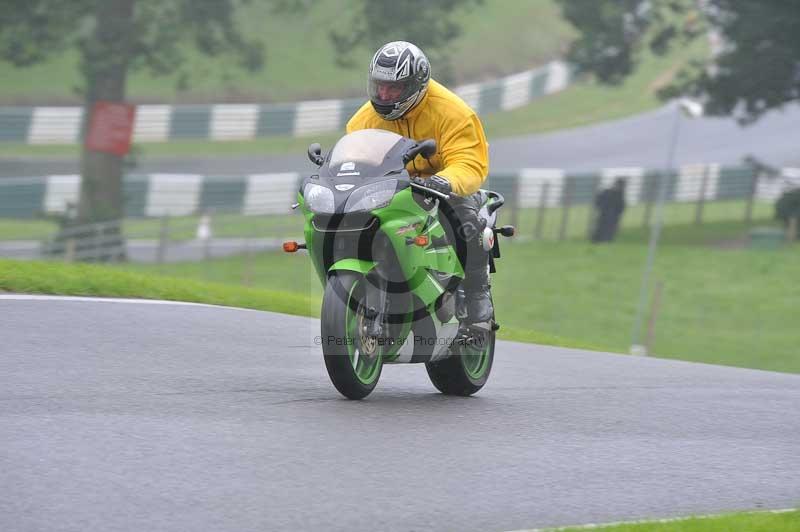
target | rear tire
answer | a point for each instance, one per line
(352, 371)
(464, 372)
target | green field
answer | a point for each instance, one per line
(721, 305)
(587, 102)
(498, 37)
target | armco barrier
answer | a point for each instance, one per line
(158, 123)
(157, 195)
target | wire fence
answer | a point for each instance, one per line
(156, 195)
(171, 217)
(728, 308)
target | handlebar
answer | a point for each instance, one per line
(430, 191)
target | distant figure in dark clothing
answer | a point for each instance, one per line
(609, 205)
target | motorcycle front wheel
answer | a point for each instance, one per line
(353, 361)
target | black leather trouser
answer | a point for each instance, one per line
(467, 227)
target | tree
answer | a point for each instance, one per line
(114, 37)
(427, 23)
(756, 68)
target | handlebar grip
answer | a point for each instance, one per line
(427, 190)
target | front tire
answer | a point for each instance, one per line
(353, 363)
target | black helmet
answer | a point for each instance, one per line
(398, 78)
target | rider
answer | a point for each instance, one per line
(405, 100)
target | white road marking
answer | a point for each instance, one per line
(39, 297)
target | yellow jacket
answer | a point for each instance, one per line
(462, 151)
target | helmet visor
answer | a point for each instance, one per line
(390, 92)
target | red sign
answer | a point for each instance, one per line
(111, 127)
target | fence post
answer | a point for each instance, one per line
(748, 211)
(698, 213)
(97, 241)
(567, 204)
(591, 222)
(791, 231)
(515, 203)
(537, 231)
(163, 237)
(69, 250)
(204, 233)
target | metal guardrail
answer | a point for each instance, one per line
(158, 123)
(157, 195)
(173, 217)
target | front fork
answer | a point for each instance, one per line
(375, 301)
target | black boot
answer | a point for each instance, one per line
(468, 228)
(478, 297)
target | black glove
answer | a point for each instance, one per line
(434, 182)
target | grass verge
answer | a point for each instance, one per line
(38, 277)
(738, 522)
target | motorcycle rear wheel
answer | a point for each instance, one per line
(465, 371)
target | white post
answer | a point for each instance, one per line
(692, 109)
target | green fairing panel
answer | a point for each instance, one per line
(355, 265)
(398, 217)
(442, 259)
(425, 287)
(403, 218)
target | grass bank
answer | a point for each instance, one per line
(586, 102)
(497, 38)
(39, 277)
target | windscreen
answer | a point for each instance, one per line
(366, 146)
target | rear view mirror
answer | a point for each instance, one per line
(427, 148)
(315, 154)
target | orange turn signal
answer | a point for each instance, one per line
(291, 246)
(421, 240)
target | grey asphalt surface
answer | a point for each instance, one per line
(131, 417)
(636, 141)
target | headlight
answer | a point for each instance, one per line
(319, 199)
(372, 196)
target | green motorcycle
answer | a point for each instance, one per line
(384, 249)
